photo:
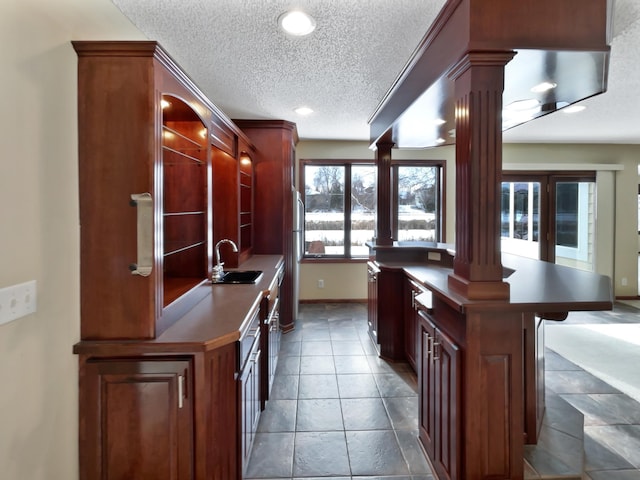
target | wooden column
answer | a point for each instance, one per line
(479, 85)
(383, 223)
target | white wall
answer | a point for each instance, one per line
(39, 231)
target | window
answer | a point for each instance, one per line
(550, 217)
(340, 205)
(417, 212)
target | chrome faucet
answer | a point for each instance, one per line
(218, 271)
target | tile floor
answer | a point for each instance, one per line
(611, 419)
(338, 411)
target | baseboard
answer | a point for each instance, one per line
(628, 297)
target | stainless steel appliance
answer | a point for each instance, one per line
(297, 251)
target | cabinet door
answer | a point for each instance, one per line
(446, 360)
(137, 419)
(249, 384)
(426, 384)
(412, 290)
(372, 301)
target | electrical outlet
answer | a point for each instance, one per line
(17, 301)
(624, 281)
(320, 283)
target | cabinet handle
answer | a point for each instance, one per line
(429, 342)
(180, 391)
(436, 351)
(144, 206)
(414, 294)
(256, 356)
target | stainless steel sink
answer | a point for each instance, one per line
(240, 276)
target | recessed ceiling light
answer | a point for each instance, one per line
(543, 87)
(296, 22)
(303, 111)
(574, 108)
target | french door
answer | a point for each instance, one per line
(549, 217)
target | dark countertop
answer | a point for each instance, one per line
(217, 320)
(535, 286)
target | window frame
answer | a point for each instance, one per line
(390, 197)
(440, 194)
(347, 164)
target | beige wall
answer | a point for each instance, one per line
(39, 228)
(349, 280)
(617, 180)
(617, 206)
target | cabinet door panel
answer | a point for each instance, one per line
(426, 384)
(142, 415)
(447, 395)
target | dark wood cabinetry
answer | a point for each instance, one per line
(233, 184)
(273, 168)
(143, 190)
(439, 374)
(249, 385)
(141, 410)
(159, 416)
(372, 301)
(385, 310)
(412, 290)
(271, 334)
(167, 389)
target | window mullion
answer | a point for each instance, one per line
(347, 210)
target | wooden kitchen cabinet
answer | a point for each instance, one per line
(162, 390)
(273, 168)
(144, 190)
(271, 335)
(249, 385)
(412, 290)
(386, 310)
(233, 186)
(372, 301)
(138, 418)
(159, 416)
(439, 373)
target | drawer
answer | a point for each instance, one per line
(248, 339)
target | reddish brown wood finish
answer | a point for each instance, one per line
(120, 85)
(273, 198)
(383, 233)
(134, 423)
(477, 268)
(534, 388)
(216, 416)
(390, 285)
(225, 204)
(411, 291)
(474, 25)
(440, 373)
(372, 301)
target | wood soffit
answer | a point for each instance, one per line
(565, 43)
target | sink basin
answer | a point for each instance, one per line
(240, 276)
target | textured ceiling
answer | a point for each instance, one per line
(235, 52)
